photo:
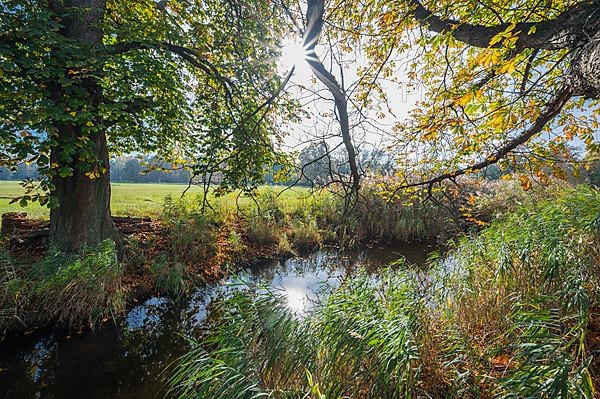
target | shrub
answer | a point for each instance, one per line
(262, 230)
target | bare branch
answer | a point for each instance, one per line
(314, 17)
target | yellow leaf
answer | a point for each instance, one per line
(388, 18)
(498, 120)
(429, 135)
(542, 176)
(525, 182)
(508, 67)
(464, 99)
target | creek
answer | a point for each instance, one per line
(128, 360)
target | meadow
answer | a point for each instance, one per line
(146, 199)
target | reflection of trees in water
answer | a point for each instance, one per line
(131, 357)
(320, 261)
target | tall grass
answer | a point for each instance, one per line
(62, 289)
(410, 217)
(520, 296)
(360, 340)
(189, 234)
(508, 314)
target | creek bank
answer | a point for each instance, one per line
(162, 258)
(132, 354)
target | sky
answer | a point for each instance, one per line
(402, 99)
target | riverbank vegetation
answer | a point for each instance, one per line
(472, 123)
(62, 290)
(510, 312)
(192, 242)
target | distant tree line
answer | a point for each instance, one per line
(22, 171)
(146, 170)
(316, 165)
(126, 169)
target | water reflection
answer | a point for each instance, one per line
(128, 360)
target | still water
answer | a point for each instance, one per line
(128, 360)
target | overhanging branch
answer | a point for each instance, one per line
(552, 109)
(191, 56)
(552, 34)
(314, 22)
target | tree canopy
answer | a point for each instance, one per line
(499, 79)
(177, 78)
(81, 79)
(197, 83)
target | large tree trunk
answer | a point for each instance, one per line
(586, 68)
(82, 218)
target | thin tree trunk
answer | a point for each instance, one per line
(314, 26)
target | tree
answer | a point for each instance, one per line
(80, 79)
(316, 164)
(131, 170)
(500, 79)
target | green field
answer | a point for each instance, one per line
(136, 199)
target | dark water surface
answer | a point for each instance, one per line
(127, 361)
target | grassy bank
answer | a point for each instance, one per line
(512, 312)
(189, 245)
(64, 290)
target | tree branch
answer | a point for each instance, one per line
(191, 56)
(552, 109)
(314, 22)
(560, 32)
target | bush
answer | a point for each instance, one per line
(262, 230)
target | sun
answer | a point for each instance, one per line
(294, 55)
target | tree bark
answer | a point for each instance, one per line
(563, 31)
(586, 69)
(82, 217)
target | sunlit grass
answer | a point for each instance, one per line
(62, 289)
(141, 199)
(509, 313)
